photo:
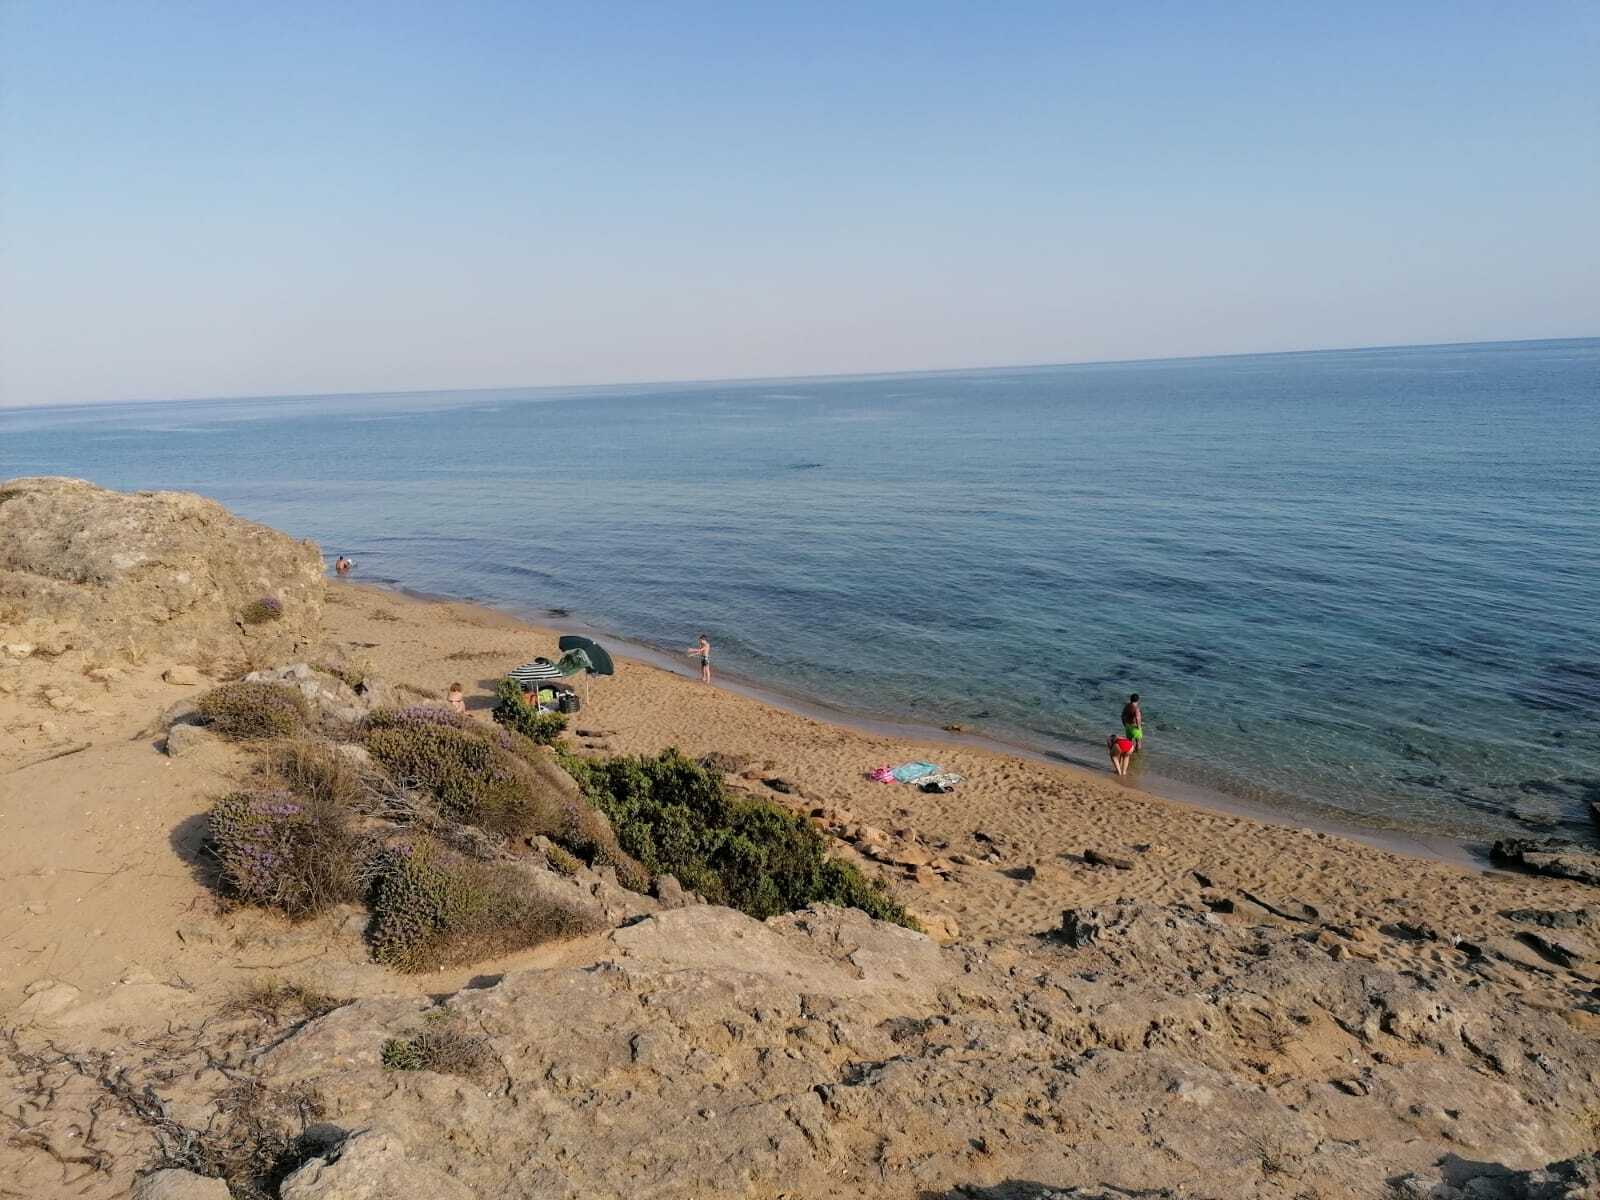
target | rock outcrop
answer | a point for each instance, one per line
(85, 568)
(695, 1052)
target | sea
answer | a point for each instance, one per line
(1356, 584)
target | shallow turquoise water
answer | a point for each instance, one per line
(1363, 580)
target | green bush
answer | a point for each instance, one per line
(675, 816)
(282, 851)
(432, 909)
(516, 714)
(254, 710)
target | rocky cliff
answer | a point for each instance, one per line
(85, 568)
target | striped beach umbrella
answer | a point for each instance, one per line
(540, 670)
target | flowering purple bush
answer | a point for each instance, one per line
(259, 612)
(281, 851)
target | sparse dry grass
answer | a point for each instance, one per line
(275, 1003)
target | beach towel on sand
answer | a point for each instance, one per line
(883, 774)
(912, 771)
(944, 781)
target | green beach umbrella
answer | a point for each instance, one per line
(599, 660)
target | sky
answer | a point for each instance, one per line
(236, 198)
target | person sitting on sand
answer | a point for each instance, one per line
(704, 651)
(342, 565)
(458, 702)
(1133, 722)
(1121, 750)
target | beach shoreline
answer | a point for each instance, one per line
(1437, 847)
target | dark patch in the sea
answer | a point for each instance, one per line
(557, 612)
(1192, 662)
(1565, 686)
(1417, 754)
(808, 466)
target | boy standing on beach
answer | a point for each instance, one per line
(704, 651)
(1133, 722)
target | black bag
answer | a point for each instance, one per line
(568, 702)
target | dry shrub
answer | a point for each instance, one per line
(250, 1140)
(275, 1003)
(442, 1050)
(472, 780)
(433, 909)
(254, 710)
(316, 771)
(260, 611)
(484, 775)
(562, 862)
(281, 851)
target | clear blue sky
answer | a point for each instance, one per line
(201, 199)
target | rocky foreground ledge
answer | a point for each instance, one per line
(1141, 1051)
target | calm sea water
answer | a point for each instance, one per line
(1360, 580)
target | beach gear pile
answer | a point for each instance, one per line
(926, 775)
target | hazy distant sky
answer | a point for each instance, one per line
(205, 199)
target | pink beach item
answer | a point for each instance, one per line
(883, 774)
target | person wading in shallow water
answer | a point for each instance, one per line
(1133, 722)
(343, 565)
(704, 651)
(1121, 751)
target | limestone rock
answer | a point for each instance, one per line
(182, 676)
(670, 892)
(188, 739)
(179, 1185)
(355, 755)
(371, 1165)
(103, 571)
(941, 927)
(1549, 856)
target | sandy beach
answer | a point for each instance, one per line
(1043, 817)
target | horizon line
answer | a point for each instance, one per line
(750, 379)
